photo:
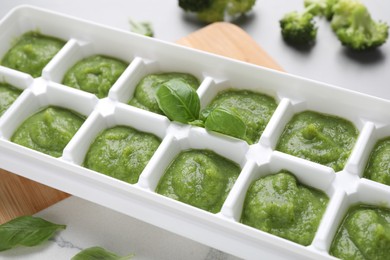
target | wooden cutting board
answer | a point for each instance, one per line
(20, 196)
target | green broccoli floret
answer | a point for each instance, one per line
(194, 5)
(217, 10)
(299, 28)
(320, 7)
(355, 28)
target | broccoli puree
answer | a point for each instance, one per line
(144, 95)
(320, 138)
(378, 165)
(363, 234)
(31, 53)
(200, 178)
(279, 205)
(8, 94)
(121, 152)
(254, 109)
(95, 74)
(48, 131)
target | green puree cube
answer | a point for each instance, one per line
(145, 91)
(378, 165)
(8, 94)
(121, 152)
(320, 138)
(363, 234)
(49, 130)
(200, 178)
(254, 109)
(95, 74)
(32, 52)
(279, 205)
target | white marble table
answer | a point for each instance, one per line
(89, 224)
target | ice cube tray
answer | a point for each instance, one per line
(146, 55)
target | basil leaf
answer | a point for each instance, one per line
(26, 231)
(178, 101)
(205, 112)
(197, 122)
(96, 253)
(227, 122)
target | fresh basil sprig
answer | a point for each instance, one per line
(98, 253)
(181, 103)
(26, 231)
(226, 121)
(178, 101)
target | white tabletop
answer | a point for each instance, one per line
(90, 225)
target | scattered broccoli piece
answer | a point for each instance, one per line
(321, 7)
(355, 28)
(217, 10)
(144, 28)
(194, 5)
(299, 28)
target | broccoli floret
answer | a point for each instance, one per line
(355, 28)
(194, 5)
(320, 7)
(299, 28)
(217, 10)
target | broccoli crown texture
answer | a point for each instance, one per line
(194, 5)
(217, 10)
(320, 7)
(355, 28)
(298, 28)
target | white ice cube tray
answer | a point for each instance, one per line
(147, 55)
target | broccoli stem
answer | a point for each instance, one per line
(362, 19)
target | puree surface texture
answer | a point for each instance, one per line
(200, 178)
(320, 138)
(8, 94)
(48, 131)
(145, 91)
(279, 205)
(95, 74)
(32, 52)
(254, 109)
(121, 152)
(363, 234)
(378, 166)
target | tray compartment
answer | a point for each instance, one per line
(141, 67)
(40, 96)
(290, 107)
(365, 193)
(183, 138)
(107, 115)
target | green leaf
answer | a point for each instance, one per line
(144, 28)
(227, 122)
(98, 253)
(197, 122)
(26, 231)
(178, 101)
